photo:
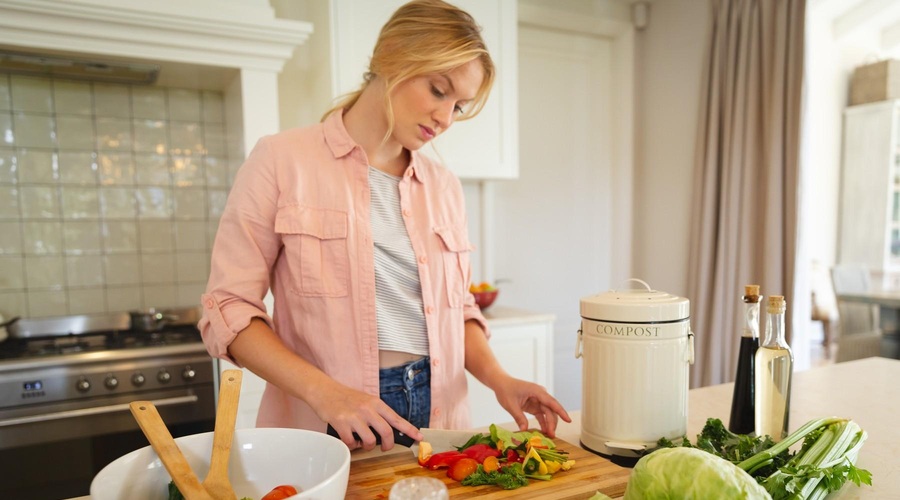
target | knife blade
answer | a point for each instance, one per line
(442, 439)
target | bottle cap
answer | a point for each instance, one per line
(776, 304)
(751, 294)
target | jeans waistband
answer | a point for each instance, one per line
(406, 375)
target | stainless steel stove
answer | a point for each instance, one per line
(65, 386)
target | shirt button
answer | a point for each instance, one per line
(436, 362)
(429, 310)
(406, 212)
(209, 303)
(423, 259)
(437, 412)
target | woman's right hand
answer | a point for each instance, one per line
(350, 411)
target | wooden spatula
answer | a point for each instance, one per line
(216, 482)
(162, 442)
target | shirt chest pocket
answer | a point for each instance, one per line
(315, 250)
(455, 254)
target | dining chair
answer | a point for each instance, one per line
(860, 336)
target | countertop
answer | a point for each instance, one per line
(502, 316)
(867, 391)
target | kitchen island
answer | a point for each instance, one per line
(866, 391)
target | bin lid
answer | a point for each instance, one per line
(635, 305)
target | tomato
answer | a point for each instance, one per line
(491, 464)
(280, 492)
(462, 468)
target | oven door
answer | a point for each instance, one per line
(55, 454)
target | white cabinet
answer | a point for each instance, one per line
(870, 191)
(523, 344)
(485, 147)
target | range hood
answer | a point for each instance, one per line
(77, 68)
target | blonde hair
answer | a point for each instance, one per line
(425, 37)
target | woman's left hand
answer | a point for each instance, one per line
(519, 397)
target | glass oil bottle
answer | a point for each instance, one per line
(774, 369)
(742, 401)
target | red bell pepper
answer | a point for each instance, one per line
(479, 452)
(512, 456)
(445, 459)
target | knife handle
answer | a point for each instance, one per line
(399, 437)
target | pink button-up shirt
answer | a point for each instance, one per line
(297, 221)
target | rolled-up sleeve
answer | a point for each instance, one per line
(245, 249)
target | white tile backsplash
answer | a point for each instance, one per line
(5, 99)
(47, 303)
(34, 131)
(112, 100)
(184, 105)
(84, 270)
(42, 237)
(45, 271)
(39, 202)
(9, 202)
(37, 166)
(31, 94)
(72, 98)
(113, 134)
(11, 275)
(115, 169)
(152, 170)
(80, 202)
(8, 166)
(75, 132)
(82, 237)
(11, 238)
(6, 129)
(77, 167)
(109, 195)
(120, 236)
(122, 269)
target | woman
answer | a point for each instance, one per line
(363, 242)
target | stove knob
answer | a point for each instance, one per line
(163, 376)
(83, 385)
(111, 382)
(188, 373)
(138, 379)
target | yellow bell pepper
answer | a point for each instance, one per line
(533, 455)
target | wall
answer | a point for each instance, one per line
(669, 61)
(110, 195)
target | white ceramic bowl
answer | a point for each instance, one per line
(261, 458)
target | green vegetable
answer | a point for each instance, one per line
(477, 439)
(508, 478)
(175, 494)
(690, 473)
(516, 439)
(825, 461)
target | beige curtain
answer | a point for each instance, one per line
(745, 207)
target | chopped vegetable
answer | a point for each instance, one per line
(479, 452)
(425, 452)
(462, 468)
(508, 478)
(491, 464)
(826, 460)
(280, 492)
(445, 459)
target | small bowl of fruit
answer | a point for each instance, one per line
(485, 294)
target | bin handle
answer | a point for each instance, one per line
(578, 350)
(647, 286)
(690, 348)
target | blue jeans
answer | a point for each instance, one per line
(407, 390)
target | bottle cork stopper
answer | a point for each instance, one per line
(751, 294)
(776, 304)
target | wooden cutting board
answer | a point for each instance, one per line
(372, 478)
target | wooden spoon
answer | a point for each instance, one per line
(162, 442)
(216, 482)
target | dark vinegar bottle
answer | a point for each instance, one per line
(742, 402)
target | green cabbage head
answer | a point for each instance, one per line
(683, 473)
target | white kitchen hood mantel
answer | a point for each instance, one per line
(222, 33)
